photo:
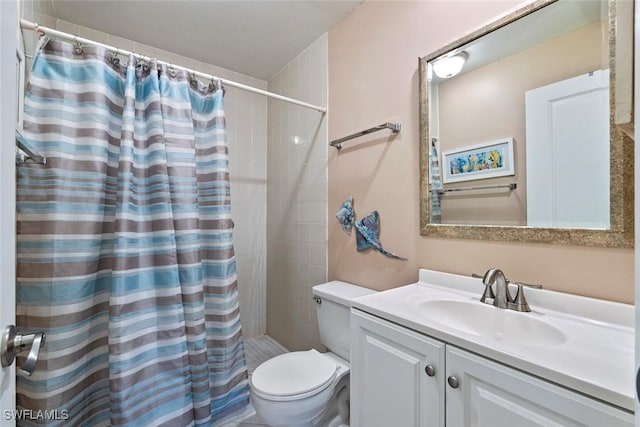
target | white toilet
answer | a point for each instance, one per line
(308, 388)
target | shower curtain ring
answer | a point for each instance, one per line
(114, 57)
(78, 49)
(41, 33)
(172, 71)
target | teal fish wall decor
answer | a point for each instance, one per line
(346, 216)
(367, 235)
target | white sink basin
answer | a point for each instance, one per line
(580, 343)
(484, 320)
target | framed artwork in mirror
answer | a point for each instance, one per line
(479, 161)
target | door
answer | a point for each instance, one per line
(637, 207)
(567, 152)
(486, 393)
(397, 375)
(8, 115)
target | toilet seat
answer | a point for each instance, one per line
(294, 376)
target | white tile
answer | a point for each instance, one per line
(317, 192)
(317, 274)
(243, 247)
(45, 20)
(121, 43)
(304, 65)
(315, 94)
(317, 234)
(210, 68)
(317, 212)
(192, 64)
(294, 120)
(67, 27)
(296, 188)
(317, 254)
(145, 50)
(301, 271)
(299, 251)
(227, 74)
(94, 35)
(27, 10)
(169, 57)
(317, 171)
(44, 7)
(273, 82)
(30, 43)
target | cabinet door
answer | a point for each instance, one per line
(491, 394)
(390, 386)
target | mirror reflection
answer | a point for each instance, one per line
(518, 123)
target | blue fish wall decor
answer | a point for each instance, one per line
(367, 235)
(346, 216)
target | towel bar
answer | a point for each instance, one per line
(395, 128)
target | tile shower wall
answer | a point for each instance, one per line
(297, 199)
(246, 115)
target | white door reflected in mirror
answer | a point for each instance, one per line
(567, 125)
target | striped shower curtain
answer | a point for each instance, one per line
(125, 254)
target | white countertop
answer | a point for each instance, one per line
(596, 358)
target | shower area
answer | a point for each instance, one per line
(277, 173)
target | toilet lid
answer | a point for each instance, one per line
(294, 374)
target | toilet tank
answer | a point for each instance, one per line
(333, 305)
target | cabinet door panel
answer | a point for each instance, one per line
(389, 386)
(494, 395)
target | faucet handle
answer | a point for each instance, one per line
(488, 290)
(487, 296)
(519, 301)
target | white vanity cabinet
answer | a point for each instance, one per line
(397, 375)
(390, 386)
(491, 394)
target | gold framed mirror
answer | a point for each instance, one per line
(577, 190)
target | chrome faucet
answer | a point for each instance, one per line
(502, 297)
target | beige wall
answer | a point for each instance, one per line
(373, 77)
(491, 101)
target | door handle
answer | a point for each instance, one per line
(12, 344)
(638, 385)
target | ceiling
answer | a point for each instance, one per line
(256, 38)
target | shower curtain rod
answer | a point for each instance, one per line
(34, 26)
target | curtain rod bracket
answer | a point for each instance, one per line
(25, 154)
